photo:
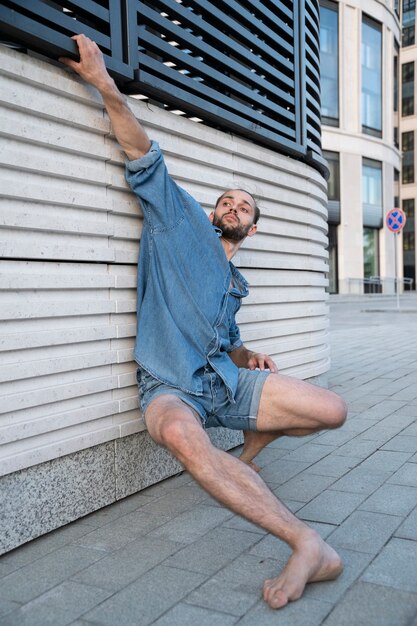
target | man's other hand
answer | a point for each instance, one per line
(261, 361)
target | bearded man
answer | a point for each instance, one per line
(194, 372)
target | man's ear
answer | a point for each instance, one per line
(211, 216)
(252, 230)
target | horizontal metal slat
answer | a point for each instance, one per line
(188, 62)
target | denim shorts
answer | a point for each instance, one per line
(213, 407)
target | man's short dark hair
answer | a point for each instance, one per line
(257, 209)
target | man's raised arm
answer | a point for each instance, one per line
(128, 131)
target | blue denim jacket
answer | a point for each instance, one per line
(188, 292)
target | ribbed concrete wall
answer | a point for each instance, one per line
(69, 235)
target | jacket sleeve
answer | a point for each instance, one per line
(161, 199)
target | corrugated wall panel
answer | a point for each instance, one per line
(69, 236)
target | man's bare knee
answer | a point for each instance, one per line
(337, 411)
(175, 426)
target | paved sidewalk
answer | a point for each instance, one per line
(171, 556)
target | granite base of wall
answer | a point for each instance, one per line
(47, 496)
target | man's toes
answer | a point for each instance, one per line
(277, 599)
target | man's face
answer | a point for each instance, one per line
(234, 215)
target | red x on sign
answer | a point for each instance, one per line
(395, 220)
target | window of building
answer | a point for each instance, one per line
(396, 188)
(372, 216)
(409, 242)
(329, 63)
(370, 252)
(409, 19)
(371, 77)
(333, 184)
(396, 74)
(407, 89)
(408, 208)
(333, 187)
(407, 146)
(372, 193)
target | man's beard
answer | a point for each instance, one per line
(231, 232)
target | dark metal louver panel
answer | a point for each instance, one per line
(246, 66)
(45, 26)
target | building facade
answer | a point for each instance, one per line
(360, 139)
(408, 131)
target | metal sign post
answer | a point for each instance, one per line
(395, 222)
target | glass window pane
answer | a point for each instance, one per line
(370, 252)
(329, 62)
(407, 89)
(372, 182)
(333, 184)
(371, 77)
(409, 18)
(407, 144)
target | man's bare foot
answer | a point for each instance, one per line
(313, 561)
(253, 443)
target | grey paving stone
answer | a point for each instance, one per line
(186, 615)
(117, 509)
(239, 523)
(411, 430)
(282, 470)
(288, 443)
(381, 433)
(38, 577)
(408, 529)
(248, 572)
(7, 606)
(190, 525)
(332, 591)
(373, 605)
(213, 551)
(304, 487)
(309, 452)
(147, 598)
(176, 501)
(334, 437)
(121, 531)
(123, 566)
(401, 443)
(359, 447)
(331, 507)
(303, 612)
(269, 455)
(406, 475)
(359, 423)
(219, 596)
(42, 546)
(391, 499)
(395, 566)
(57, 607)
(364, 531)
(385, 461)
(360, 480)
(292, 505)
(334, 465)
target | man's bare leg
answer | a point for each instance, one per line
(174, 425)
(253, 443)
